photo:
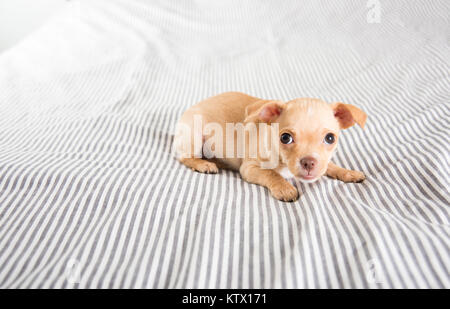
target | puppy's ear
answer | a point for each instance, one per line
(263, 111)
(348, 115)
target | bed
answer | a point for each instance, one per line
(92, 197)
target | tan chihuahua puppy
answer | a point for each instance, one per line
(305, 131)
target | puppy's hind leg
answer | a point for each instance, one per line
(188, 148)
(345, 175)
(200, 165)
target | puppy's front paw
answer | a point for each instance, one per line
(352, 176)
(284, 192)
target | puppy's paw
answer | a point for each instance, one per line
(206, 167)
(352, 176)
(284, 192)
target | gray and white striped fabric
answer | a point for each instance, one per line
(90, 193)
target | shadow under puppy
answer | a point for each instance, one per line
(225, 130)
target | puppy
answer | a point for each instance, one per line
(231, 131)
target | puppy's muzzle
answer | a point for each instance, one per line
(308, 163)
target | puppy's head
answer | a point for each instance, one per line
(308, 131)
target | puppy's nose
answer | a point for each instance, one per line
(308, 163)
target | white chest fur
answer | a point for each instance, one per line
(285, 172)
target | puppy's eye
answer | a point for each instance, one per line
(286, 138)
(329, 138)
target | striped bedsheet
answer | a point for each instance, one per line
(92, 197)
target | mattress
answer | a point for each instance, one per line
(92, 197)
